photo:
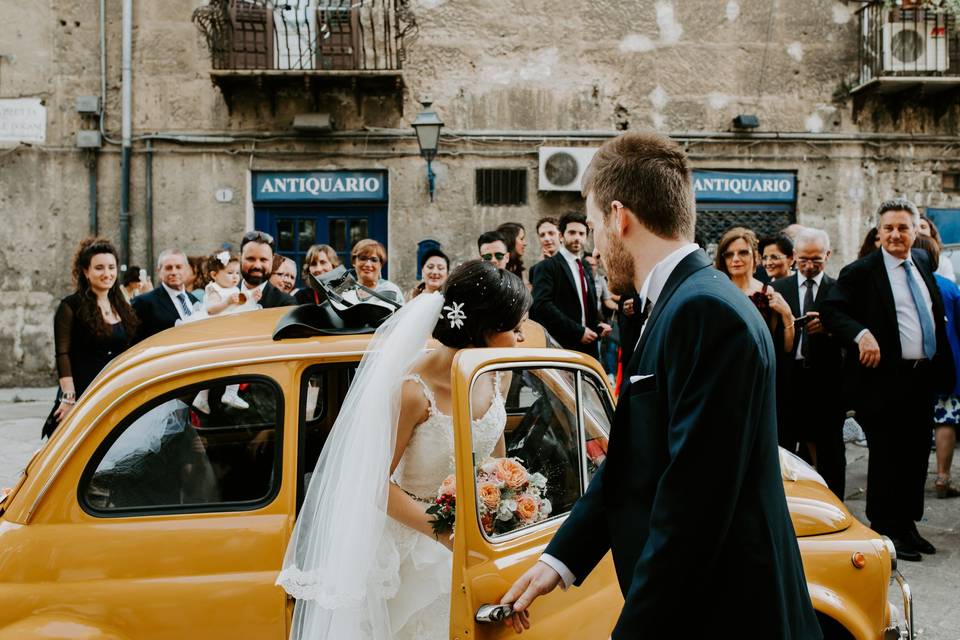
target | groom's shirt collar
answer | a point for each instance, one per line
(658, 276)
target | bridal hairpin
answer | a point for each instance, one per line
(455, 314)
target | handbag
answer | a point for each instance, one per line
(50, 424)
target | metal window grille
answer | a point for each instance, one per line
(713, 223)
(501, 187)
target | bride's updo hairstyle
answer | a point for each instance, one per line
(491, 299)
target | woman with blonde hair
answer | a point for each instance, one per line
(737, 257)
(368, 258)
(320, 259)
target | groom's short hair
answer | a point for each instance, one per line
(650, 175)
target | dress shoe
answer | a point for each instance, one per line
(906, 550)
(920, 543)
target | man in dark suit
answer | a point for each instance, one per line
(810, 406)
(256, 264)
(886, 307)
(565, 294)
(162, 307)
(690, 497)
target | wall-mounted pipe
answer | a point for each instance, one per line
(92, 190)
(126, 102)
(148, 205)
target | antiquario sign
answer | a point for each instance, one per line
(319, 186)
(736, 186)
(23, 120)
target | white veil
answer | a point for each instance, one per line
(336, 561)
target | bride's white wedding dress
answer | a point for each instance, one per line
(356, 573)
(420, 608)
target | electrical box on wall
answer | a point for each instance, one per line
(88, 104)
(89, 139)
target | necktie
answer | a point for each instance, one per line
(583, 290)
(182, 297)
(807, 306)
(926, 321)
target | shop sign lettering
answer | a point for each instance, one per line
(320, 185)
(753, 187)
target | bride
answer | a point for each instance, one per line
(363, 560)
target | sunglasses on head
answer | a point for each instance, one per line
(490, 256)
(257, 236)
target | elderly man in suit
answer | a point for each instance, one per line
(256, 264)
(162, 307)
(811, 407)
(886, 307)
(690, 498)
(565, 293)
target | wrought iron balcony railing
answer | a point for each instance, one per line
(306, 35)
(907, 44)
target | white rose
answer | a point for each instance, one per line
(545, 507)
(538, 480)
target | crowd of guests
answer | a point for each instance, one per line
(880, 340)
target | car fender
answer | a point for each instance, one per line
(58, 627)
(845, 611)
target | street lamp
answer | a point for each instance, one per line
(427, 126)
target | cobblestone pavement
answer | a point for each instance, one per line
(935, 580)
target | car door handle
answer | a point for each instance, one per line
(494, 612)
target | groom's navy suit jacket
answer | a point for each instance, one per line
(690, 498)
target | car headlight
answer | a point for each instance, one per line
(888, 543)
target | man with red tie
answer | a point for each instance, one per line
(564, 293)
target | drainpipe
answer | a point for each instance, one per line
(148, 208)
(92, 190)
(125, 105)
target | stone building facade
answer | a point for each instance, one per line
(506, 78)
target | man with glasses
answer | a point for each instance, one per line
(493, 248)
(256, 264)
(565, 294)
(811, 406)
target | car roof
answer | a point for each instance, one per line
(214, 340)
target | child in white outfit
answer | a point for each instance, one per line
(222, 296)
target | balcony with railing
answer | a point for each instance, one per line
(317, 42)
(907, 46)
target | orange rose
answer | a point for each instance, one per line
(449, 486)
(527, 508)
(489, 495)
(511, 473)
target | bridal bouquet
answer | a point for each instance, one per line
(508, 495)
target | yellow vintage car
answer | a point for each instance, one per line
(146, 518)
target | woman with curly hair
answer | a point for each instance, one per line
(91, 326)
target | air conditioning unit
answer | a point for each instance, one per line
(918, 45)
(561, 168)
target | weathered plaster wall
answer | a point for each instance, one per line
(677, 67)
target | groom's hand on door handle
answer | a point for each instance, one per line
(540, 579)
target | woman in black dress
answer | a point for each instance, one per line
(92, 325)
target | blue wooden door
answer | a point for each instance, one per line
(296, 229)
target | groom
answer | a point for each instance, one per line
(690, 498)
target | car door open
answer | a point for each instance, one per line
(516, 484)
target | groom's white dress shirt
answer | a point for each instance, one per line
(651, 290)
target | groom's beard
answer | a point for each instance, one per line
(619, 265)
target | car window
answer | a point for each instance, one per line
(543, 464)
(322, 391)
(596, 422)
(206, 447)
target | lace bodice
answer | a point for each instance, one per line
(429, 457)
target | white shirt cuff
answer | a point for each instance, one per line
(565, 575)
(860, 335)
